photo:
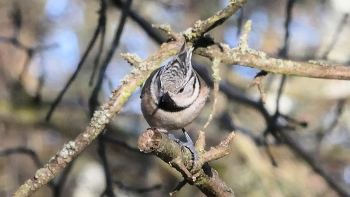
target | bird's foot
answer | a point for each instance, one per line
(188, 144)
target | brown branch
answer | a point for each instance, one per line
(201, 174)
(201, 27)
(178, 187)
(132, 59)
(259, 60)
(258, 82)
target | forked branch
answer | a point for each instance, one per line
(199, 174)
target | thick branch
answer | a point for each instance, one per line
(201, 174)
(261, 61)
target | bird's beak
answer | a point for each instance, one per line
(165, 97)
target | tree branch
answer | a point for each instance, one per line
(201, 174)
(202, 27)
(259, 60)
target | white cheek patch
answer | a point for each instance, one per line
(187, 97)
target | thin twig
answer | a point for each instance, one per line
(338, 112)
(122, 143)
(122, 186)
(258, 82)
(41, 82)
(111, 51)
(144, 24)
(284, 51)
(27, 151)
(178, 187)
(336, 36)
(102, 25)
(240, 21)
(107, 172)
(59, 188)
(216, 77)
(22, 150)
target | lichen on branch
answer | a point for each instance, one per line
(199, 174)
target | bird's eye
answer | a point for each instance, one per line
(181, 90)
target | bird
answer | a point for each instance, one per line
(174, 95)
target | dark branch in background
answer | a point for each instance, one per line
(93, 98)
(16, 19)
(121, 143)
(293, 122)
(179, 186)
(100, 27)
(338, 113)
(230, 91)
(26, 151)
(41, 82)
(175, 5)
(101, 150)
(122, 186)
(23, 150)
(144, 24)
(62, 180)
(100, 30)
(283, 53)
(240, 21)
(227, 123)
(225, 88)
(272, 126)
(102, 23)
(93, 101)
(29, 58)
(336, 35)
(294, 145)
(232, 94)
(56, 188)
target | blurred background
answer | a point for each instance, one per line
(297, 144)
